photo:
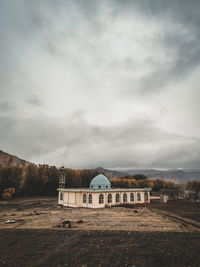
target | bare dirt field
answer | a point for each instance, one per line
(45, 214)
(117, 236)
(190, 210)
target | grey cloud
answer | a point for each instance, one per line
(182, 40)
(6, 106)
(69, 46)
(35, 100)
(131, 144)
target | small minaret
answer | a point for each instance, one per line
(62, 176)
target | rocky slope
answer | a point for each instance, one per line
(10, 160)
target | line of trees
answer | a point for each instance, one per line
(141, 181)
(31, 180)
(42, 180)
(79, 178)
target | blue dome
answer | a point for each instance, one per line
(100, 182)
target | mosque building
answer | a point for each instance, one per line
(100, 194)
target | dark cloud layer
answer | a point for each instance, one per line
(138, 143)
(101, 83)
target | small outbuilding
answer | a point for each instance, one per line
(170, 195)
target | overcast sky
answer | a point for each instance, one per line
(101, 83)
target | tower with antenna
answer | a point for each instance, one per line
(62, 177)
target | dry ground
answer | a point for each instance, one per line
(107, 237)
(190, 210)
(45, 214)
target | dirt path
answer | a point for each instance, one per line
(186, 223)
(185, 209)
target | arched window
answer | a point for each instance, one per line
(146, 197)
(109, 198)
(90, 199)
(124, 197)
(138, 197)
(84, 198)
(132, 197)
(100, 198)
(61, 196)
(117, 198)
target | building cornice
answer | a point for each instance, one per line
(87, 190)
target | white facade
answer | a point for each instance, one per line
(101, 198)
(101, 195)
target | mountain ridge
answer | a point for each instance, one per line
(7, 159)
(177, 175)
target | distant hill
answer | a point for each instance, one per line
(178, 175)
(10, 160)
(109, 173)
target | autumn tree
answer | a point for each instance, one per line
(10, 177)
(193, 186)
(53, 178)
(140, 177)
(32, 183)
